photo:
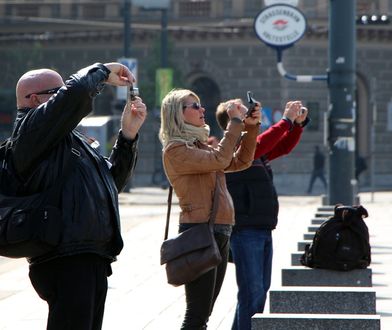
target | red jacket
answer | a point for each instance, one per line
(278, 140)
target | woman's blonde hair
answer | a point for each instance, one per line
(173, 126)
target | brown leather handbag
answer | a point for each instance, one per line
(193, 252)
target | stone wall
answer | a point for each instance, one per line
(236, 63)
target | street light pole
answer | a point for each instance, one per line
(127, 28)
(164, 37)
(341, 112)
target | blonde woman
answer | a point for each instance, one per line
(193, 169)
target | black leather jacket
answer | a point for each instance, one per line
(47, 147)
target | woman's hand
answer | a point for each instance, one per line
(234, 110)
(255, 116)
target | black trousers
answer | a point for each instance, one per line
(75, 289)
(201, 293)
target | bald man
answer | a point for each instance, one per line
(48, 151)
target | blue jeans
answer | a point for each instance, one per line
(252, 255)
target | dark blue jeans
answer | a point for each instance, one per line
(201, 293)
(252, 255)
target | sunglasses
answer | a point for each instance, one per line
(48, 91)
(193, 105)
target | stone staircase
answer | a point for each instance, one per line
(320, 299)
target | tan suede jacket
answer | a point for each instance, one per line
(194, 170)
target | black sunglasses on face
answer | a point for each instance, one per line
(193, 105)
(48, 91)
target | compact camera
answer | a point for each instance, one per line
(132, 92)
(301, 111)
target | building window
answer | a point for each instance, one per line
(8, 10)
(27, 10)
(367, 6)
(94, 11)
(227, 8)
(56, 10)
(252, 7)
(199, 8)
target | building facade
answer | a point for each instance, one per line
(213, 50)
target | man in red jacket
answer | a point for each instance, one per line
(256, 208)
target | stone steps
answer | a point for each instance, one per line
(308, 237)
(302, 276)
(313, 229)
(317, 221)
(301, 245)
(295, 257)
(320, 299)
(315, 322)
(323, 300)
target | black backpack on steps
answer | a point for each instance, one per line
(341, 242)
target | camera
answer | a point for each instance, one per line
(132, 92)
(252, 103)
(301, 111)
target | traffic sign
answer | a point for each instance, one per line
(280, 26)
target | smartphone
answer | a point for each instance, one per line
(132, 92)
(252, 103)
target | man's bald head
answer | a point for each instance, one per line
(33, 82)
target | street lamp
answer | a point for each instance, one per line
(163, 80)
(127, 27)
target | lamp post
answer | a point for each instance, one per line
(158, 176)
(127, 28)
(341, 112)
(164, 37)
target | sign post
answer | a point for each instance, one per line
(280, 26)
(131, 64)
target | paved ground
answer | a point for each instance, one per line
(139, 297)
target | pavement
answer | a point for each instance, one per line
(139, 296)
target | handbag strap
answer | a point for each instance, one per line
(169, 201)
(214, 209)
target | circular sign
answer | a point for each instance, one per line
(280, 26)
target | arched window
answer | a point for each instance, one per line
(209, 94)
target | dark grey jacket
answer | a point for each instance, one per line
(45, 140)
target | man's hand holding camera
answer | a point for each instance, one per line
(119, 75)
(295, 112)
(134, 112)
(253, 117)
(133, 117)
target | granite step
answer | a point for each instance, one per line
(301, 245)
(315, 322)
(295, 258)
(303, 276)
(318, 221)
(323, 300)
